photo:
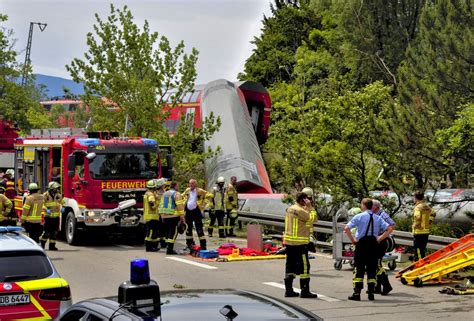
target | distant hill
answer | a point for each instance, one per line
(54, 85)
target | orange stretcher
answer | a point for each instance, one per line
(433, 272)
(461, 245)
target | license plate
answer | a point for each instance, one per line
(14, 299)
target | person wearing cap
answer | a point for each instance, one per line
(423, 217)
(9, 183)
(151, 216)
(371, 230)
(231, 204)
(297, 237)
(218, 208)
(5, 207)
(171, 210)
(52, 203)
(383, 284)
(195, 200)
(31, 214)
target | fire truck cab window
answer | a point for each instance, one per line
(79, 170)
(121, 165)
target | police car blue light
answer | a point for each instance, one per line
(10, 229)
(139, 271)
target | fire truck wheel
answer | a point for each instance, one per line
(72, 236)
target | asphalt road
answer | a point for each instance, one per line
(97, 270)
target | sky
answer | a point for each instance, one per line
(220, 29)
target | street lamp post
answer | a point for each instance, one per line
(41, 26)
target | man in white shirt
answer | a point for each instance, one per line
(195, 201)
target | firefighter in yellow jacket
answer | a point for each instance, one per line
(5, 207)
(31, 214)
(296, 240)
(231, 204)
(217, 207)
(423, 217)
(195, 199)
(313, 216)
(172, 213)
(151, 216)
(52, 205)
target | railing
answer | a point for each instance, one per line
(401, 238)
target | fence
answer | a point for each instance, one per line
(401, 238)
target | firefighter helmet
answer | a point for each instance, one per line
(10, 172)
(308, 191)
(2, 188)
(151, 184)
(53, 185)
(160, 182)
(221, 179)
(33, 187)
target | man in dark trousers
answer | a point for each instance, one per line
(367, 238)
(195, 200)
(423, 217)
(383, 284)
(171, 211)
(296, 238)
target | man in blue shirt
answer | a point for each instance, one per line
(368, 236)
(382, 277)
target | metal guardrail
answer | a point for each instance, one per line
(401, 238)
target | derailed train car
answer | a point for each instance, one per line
(244, 109)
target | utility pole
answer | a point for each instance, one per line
(41, 26)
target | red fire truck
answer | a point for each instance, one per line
(98, 173)
(8, 133)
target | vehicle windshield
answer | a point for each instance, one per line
(121, 166)
(24, 265)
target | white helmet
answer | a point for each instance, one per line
(221, 179)
(10, 172)
(160, 182)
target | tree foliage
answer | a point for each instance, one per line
(16, 102)
(128, 73)
(378, 96)
(273, 59)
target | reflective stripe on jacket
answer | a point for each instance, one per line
(33, 208)
(53, 204)
(202, 197)
(218, 197)
(313, 216)
(10, 189)
(5, 207)
(296, 230)
(150, 206)
(171, 204)
(231, 197)
(423, 217)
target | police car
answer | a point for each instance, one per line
(30, 286)
(140, 299)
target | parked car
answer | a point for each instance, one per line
(195, 305)
(141, 299)
(30, 286)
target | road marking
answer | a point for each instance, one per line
(125, 246)
(320, 296)
(204, 266)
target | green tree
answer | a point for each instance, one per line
(130, 70)
(128, 74)
(273, 58)
(436, 85)
(15, 100)
(376, 35)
